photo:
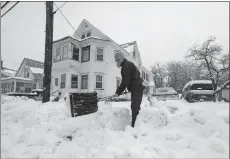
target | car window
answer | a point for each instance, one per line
(201, 87)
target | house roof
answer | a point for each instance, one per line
(8, 73)
(79, 40)
(32, 64)
(85, 21)
(37, 70)
(19, 78)
(129, 47)
(38, 76)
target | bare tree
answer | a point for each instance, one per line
(159, 73)
(208, 54)
(180, 73)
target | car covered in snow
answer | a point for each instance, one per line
(197, 90)
(38, 92)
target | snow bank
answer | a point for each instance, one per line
(31, 129)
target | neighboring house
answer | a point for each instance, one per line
(29, 76)
(5, 73)
(223, 92)
(85, 62)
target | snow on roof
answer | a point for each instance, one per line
(8, 72)
(93, 37)
(19, 78)
(37, 70)
(129, 47)
(151, 84)
(33, 63)
(197, 82)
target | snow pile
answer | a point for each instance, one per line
(165, 90)
(31, 129)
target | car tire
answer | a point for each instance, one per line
(189, 100)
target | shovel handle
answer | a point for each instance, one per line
(101, 99)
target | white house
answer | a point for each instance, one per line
(85, 62)
(28, 77)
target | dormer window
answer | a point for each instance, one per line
(88, 34)
(134, 56)
(83, 36)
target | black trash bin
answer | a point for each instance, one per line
(83, 103)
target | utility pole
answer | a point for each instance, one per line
(48, 52)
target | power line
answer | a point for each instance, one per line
(4, 4)
(59, 7)
(57, 69)
(65, 17)
(11, 62)
(10, 8)
(8, 69)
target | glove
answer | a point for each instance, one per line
(116, 95)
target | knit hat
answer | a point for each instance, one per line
(118, 55)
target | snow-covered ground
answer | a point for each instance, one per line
(30, 129)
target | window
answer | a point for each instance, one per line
(98, 82)
(34, 86)
(118, 82)
(100, 54)
(27, 74)
(134, 56)
(28, 87)
(58, 54)
(75, 53)
(56, 81)
(88, 34)
(84, 82)
(85, 56)
(74, 81)
(83, 36)
(20, 87)
(147, 77)
(63, 79)
(12, 87)
(201, 87)
(65, 52)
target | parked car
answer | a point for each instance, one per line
(38, 94)
(197, 90)
(223, 92)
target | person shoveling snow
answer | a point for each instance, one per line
(131, 80)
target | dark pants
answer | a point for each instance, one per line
(136, 99)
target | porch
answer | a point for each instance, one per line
(17, 85)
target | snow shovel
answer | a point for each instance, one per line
(106, 99)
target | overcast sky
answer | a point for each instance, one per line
(163, 30)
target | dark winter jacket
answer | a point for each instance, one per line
(130, 78)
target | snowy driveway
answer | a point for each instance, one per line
(35, 130)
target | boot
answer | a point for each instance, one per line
(133, 122)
